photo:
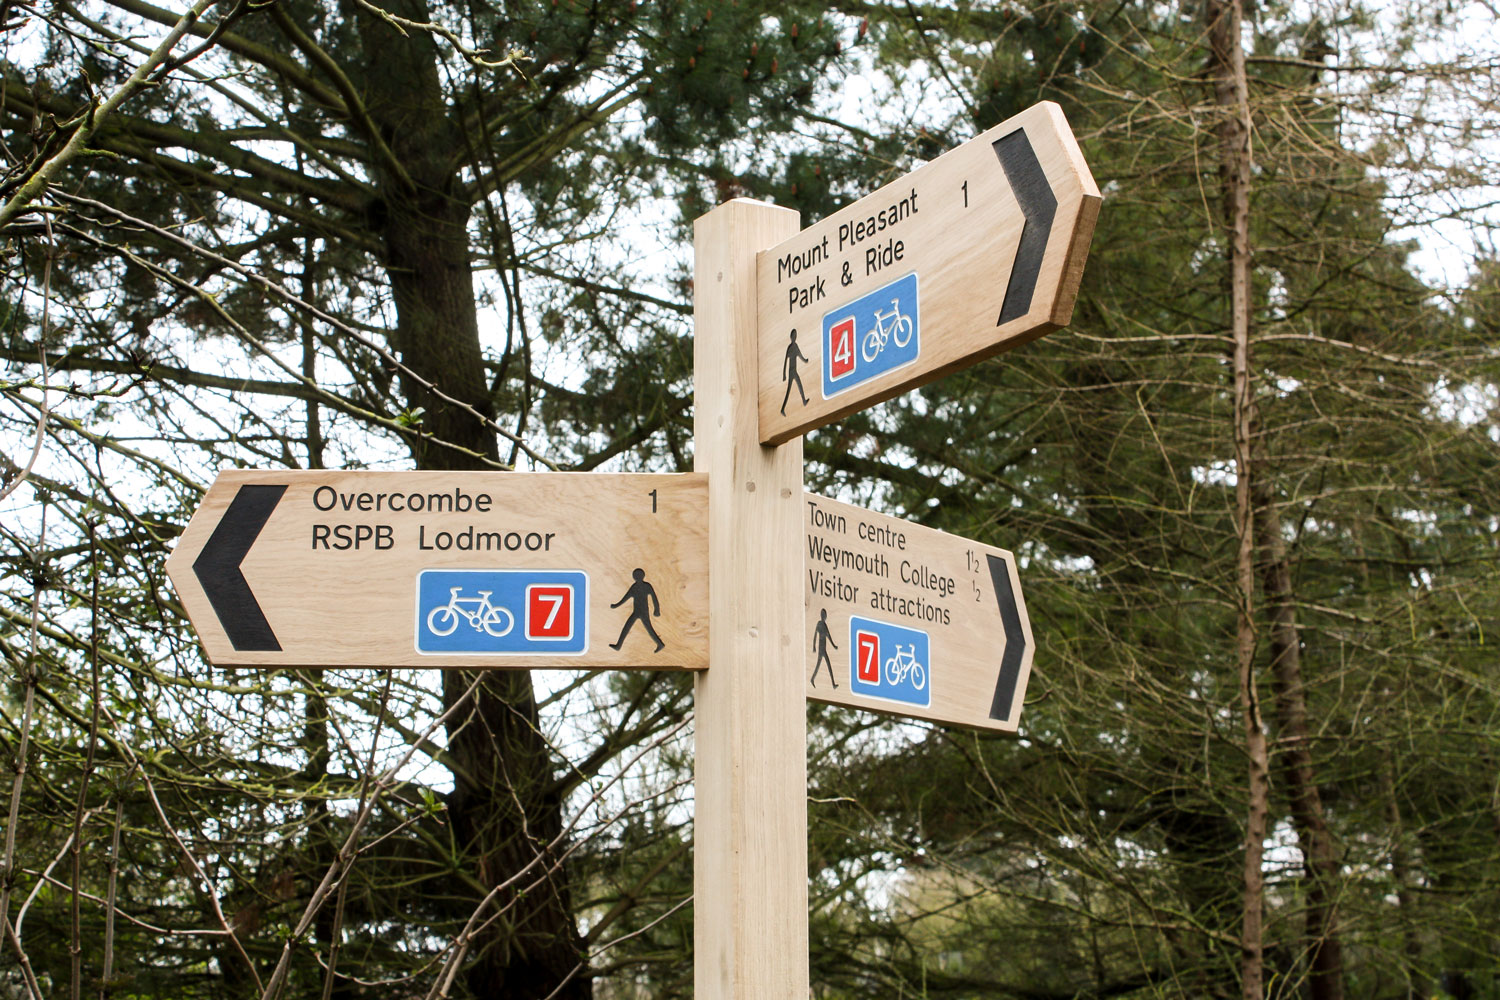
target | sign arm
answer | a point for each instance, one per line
(976, 252)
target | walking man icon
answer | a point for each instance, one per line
(639, 594)
(789, 372)
(822, 639)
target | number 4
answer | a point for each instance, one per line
(840, 348)
(843, 348)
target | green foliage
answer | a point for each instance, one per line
(540, 184)
(1099, 853)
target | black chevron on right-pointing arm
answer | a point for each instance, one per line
(1015, 640)
(1038, 206)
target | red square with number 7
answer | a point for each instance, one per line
(867, 657)
(841, 348)
(549, 611)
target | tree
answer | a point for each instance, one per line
(264, 257)
(1110, 838)
(271, 245)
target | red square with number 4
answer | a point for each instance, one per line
(549, 611)
(841, 348)
(867, 657)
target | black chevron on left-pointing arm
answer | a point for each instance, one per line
(218, 568)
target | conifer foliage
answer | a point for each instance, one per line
(309, 234)
(1255, 487)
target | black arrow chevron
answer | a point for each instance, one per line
(1038, 206)
(1015, 640)
(218, 568)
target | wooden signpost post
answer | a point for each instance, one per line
(771, 594)
(750, 759)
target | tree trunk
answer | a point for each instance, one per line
(1319, 857)
(1231, 94)
(505, 807)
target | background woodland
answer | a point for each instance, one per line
(1255, 487)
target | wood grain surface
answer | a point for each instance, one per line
(903, 580)
(750, 772)
(995, 231)
(333, 572)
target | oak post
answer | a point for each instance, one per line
(750, 851)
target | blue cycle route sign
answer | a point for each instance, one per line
(870, 336)
(889, 661)
(502, 611)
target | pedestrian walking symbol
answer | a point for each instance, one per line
(640, 593)
(789, 373)
(822, 639)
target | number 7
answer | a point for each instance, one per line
(557, 601)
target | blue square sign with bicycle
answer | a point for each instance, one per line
(870, 336)
(889, 661)
(533, 611)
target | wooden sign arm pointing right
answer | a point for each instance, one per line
(979, 251)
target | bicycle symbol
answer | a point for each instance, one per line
(903, 663)
(477, 611)
(888, 325)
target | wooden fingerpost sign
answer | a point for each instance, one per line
(977, 252)
(901, 618)
(807, 597)
(911, 621)
(450, 569)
